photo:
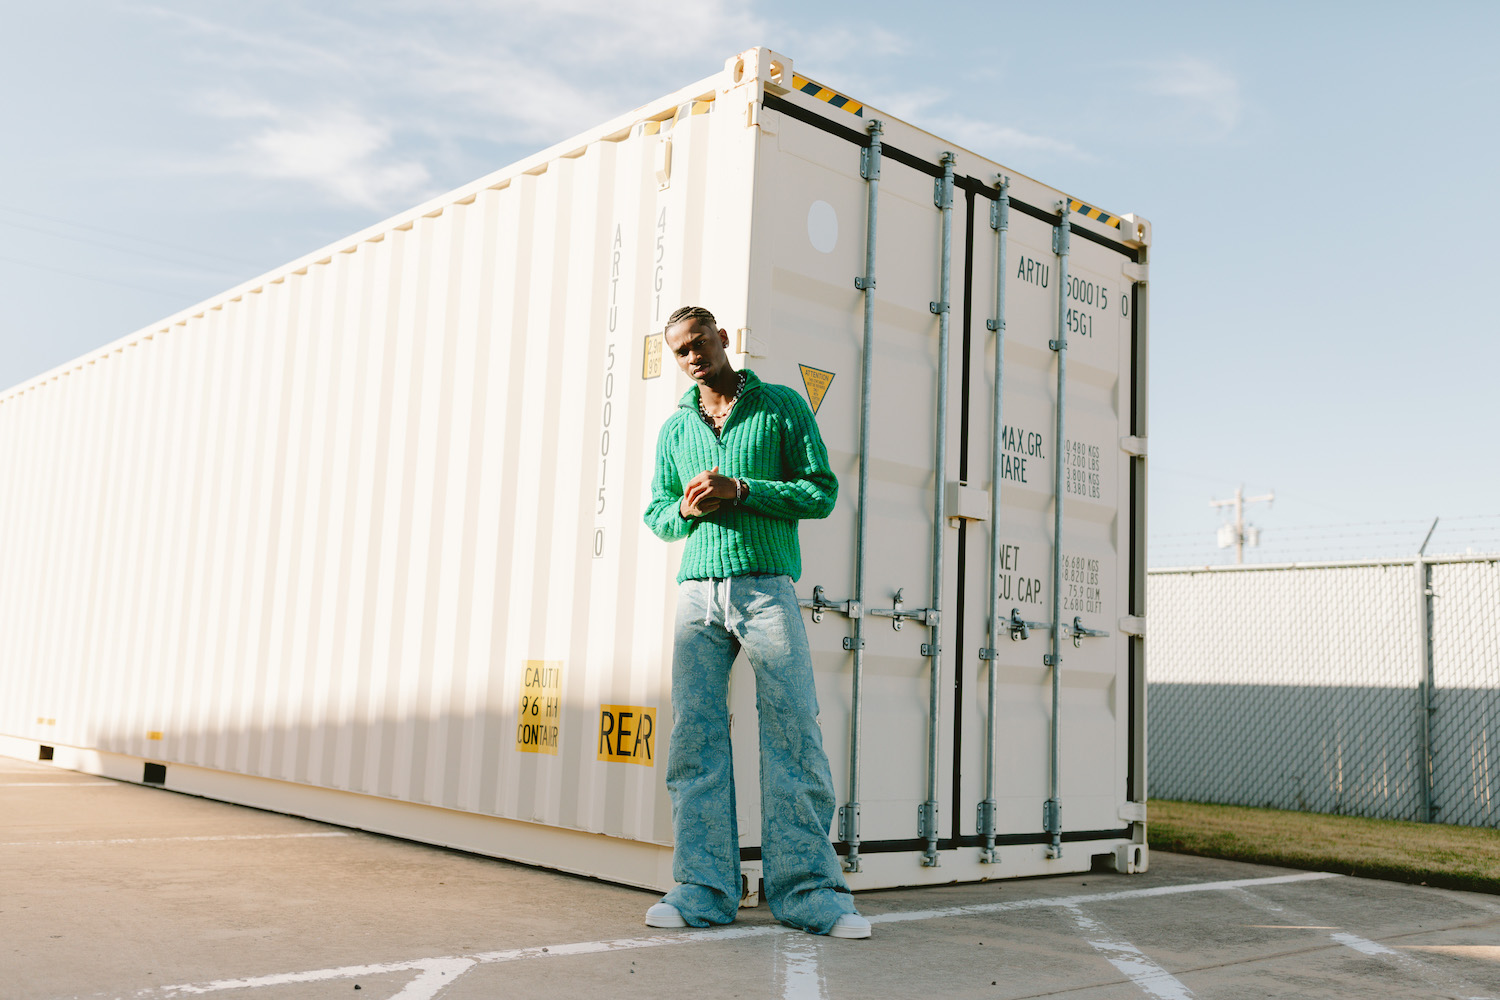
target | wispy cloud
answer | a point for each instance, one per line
(1197, 94)
(932, 110)
(417, 83)
(338, 152)
(382, 106)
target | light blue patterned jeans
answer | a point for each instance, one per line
(804, 884)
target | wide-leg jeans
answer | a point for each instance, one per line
(803, 882)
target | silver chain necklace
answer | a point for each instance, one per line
(739, 387)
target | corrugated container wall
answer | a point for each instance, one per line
(362, 540)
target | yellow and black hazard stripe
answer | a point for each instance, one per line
(1094, 213)
(822, 93)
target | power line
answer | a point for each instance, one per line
(128, 236)
(89, 277)
(117, 249)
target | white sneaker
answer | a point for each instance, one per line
(850, 925)
(667, 915)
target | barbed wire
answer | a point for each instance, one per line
(1460, 535)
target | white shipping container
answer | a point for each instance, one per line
(361, 540)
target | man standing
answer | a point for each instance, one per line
(737, 466)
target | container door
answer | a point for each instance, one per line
(806, 330)
(1094, 729)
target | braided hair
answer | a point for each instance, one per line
(698, 313)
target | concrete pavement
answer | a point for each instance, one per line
(109, 889)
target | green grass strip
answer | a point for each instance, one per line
(1454, 857)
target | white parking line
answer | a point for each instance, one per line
(795, 971)
(457, 965)
(1437, 978)
(158, 840)
(1099, 897)
(1363, 945)
(62, 784)
(1130, 960)
(436, 973)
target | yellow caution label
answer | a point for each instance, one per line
(651, 367)
(541, 707)
(153, 735)
(817, 382)
(627, 734)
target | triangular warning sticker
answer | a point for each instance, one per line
(817, 382)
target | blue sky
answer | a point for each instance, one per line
(1321, 179)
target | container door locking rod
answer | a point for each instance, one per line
(869, 169)
(1020, 629)
(927, 825)
(821, 604)
(1052, 810)
(1000, 222)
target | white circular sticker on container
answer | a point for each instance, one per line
(822, 226)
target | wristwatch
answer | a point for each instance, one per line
(741, 491)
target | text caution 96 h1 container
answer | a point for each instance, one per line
(362, 540)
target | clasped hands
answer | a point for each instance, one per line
(705, 491)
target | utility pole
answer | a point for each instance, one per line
(1239, 537)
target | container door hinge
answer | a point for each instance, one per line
(1136, 273)
(927, 817)
(849, 821)
(1133, 812)
(984, 820)
(1133, 625)
(1000, 208)
(1133, 445)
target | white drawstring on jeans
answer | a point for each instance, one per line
(728, 606)
(724, 598)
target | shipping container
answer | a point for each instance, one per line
(361, 540)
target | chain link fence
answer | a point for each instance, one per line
(1361, 688)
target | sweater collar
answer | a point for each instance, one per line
(689, 400)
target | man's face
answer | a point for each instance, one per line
(699, 349)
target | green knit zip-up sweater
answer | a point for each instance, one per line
(771, 441)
